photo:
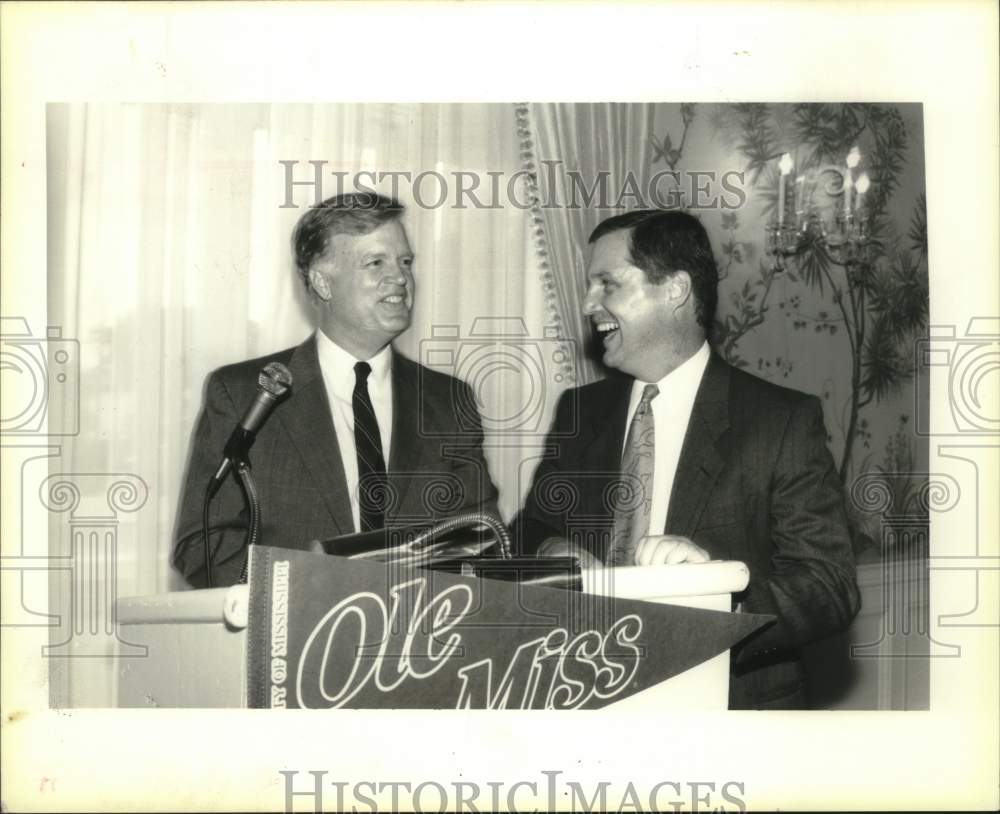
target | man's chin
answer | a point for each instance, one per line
(613, 355)
(612, 359)
(393, 326)
(617, 360)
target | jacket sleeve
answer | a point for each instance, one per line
(470, 463)
(540, 520)
(228, 520)
(812, 588)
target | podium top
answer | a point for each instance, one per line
(208, 606)
(231, 605)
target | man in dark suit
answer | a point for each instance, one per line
(685, 458)
(368, 438)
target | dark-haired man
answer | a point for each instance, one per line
(716, 464)
(345, 452)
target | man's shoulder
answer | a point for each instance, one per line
(590, 403)
(599, 390)
(747, 388)
(441, 402)
(246, 372)
(766, 406)
(742, 385)
(429, 379)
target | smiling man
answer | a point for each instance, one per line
(344, 452)
(683, 458)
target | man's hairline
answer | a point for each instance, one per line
(396, 216)
(630, 230)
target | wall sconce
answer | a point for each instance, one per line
(842, 229)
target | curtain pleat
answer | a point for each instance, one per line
(587, 140)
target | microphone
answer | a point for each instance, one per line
(274, 381)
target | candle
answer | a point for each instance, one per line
(809, 191)
(800, 184)
(853, 157)
(862, 185)
(785, 165)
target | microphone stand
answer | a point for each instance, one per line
(274, 383)
(253, 505)
(251, 499)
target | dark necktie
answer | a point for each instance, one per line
(371, 462)
(636, 492)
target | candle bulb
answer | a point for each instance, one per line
(785, 165)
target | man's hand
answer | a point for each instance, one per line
(560, 547)
(667, 549)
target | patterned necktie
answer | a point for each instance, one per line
(636, 494)
(371, 462)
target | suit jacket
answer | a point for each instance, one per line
(436, 466)
(755, 482)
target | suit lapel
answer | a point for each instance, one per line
(404, 453)
(306, 416)
(701, 457)
(602, 432)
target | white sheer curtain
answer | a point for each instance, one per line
(588, 140)
(169, 255)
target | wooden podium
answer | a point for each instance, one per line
(198, 640)
(197, 649)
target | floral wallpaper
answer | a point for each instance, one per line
(845, 331)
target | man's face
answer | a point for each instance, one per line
(366, 283)
(632, 316)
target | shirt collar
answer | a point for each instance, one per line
(338, 366)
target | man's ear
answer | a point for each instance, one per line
(679, 287)
(319, 284)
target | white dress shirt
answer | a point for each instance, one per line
(671, 414)
(337, 366)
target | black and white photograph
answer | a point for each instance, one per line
(552, 442)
